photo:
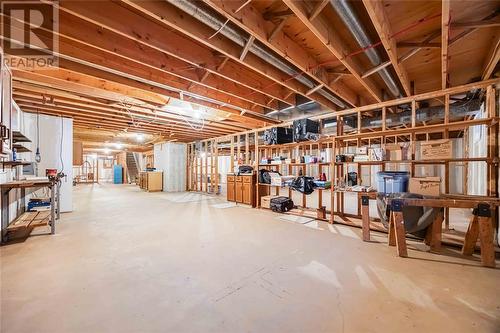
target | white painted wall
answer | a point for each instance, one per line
(170, 157)
(50, 139)
(56, 148)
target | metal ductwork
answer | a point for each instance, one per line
(351, 20)
(205, 15)
(458, 110)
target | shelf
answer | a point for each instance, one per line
(19, 137)
(15, 163)
(436, 161)
(295, 164)
(21, 148)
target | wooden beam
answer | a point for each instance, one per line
(275, 30)
(381, 22)
(331, 41)
(476, 24)
(316, 88)
(491, 60)
(147, 33)
(251, 21)
(269, 16)
(247, 47)
(318, 9)
(243, 5)
(445, 34)
(419, 45)
(168, 15)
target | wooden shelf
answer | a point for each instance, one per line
(19, 137)
(21, 149)
(30, 220)
(14, 163)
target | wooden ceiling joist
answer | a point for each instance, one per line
(328, 37)
(252, 22)
(381, 23)
(445, 35)
(176, 19)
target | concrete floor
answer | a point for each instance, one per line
(130, 261)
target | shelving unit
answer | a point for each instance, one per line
(340, 137)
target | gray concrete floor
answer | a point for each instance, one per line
(130, 261)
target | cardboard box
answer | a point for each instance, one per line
(425, 186)
(265, 201)
(376, 154)
(362, 151)
(436, 149)
(393, 152)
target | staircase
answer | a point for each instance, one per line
(132, 169)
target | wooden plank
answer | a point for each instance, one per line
(22, 221)
(486, 240)
(381, 23)
(445, 33)
(471, 236)
(365, 214)
(336, 46)
(400, 234)
(436, 233)
(248, 44)
(491, 60)
(318, 9)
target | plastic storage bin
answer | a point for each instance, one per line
(392, 181)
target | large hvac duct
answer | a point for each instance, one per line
(351, 20)
(204, 15)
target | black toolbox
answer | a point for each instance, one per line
(303, 128)
(281, 204)
(278, 135)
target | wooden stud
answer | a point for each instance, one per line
(318, 9)
(365, 214)
(245, 50)
(445, 32)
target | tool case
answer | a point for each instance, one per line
(281, 204)
(305, 130)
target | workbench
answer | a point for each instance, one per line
(22, 185)
(480, 225)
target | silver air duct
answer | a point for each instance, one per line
(351, 20)
(205, 16)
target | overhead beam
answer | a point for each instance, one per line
(476, 24)
(247, 47)
(381, 23)
(419, 44)
(445, 34)
(331, 41)
(318, 9)
(250, 20)
(173, 17)
(491, 60)
(147, 33)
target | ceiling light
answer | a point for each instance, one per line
(139, 137)
(118, 145)
(106, 151)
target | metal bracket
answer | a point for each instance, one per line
(483, 210)
(397, 205)
(365, 200)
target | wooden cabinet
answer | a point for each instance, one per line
(151, 181)
(241, 189)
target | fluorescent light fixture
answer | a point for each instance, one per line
(118, 145)
(106, 151)
(139, 137)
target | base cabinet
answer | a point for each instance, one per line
(151, 181)
(241, 189)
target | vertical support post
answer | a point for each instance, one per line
(397, 234)
(413, 113)
(247, 149)
(53, 208)
(365, 213)
(216, 148)
(231, 160)
(384, 118)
